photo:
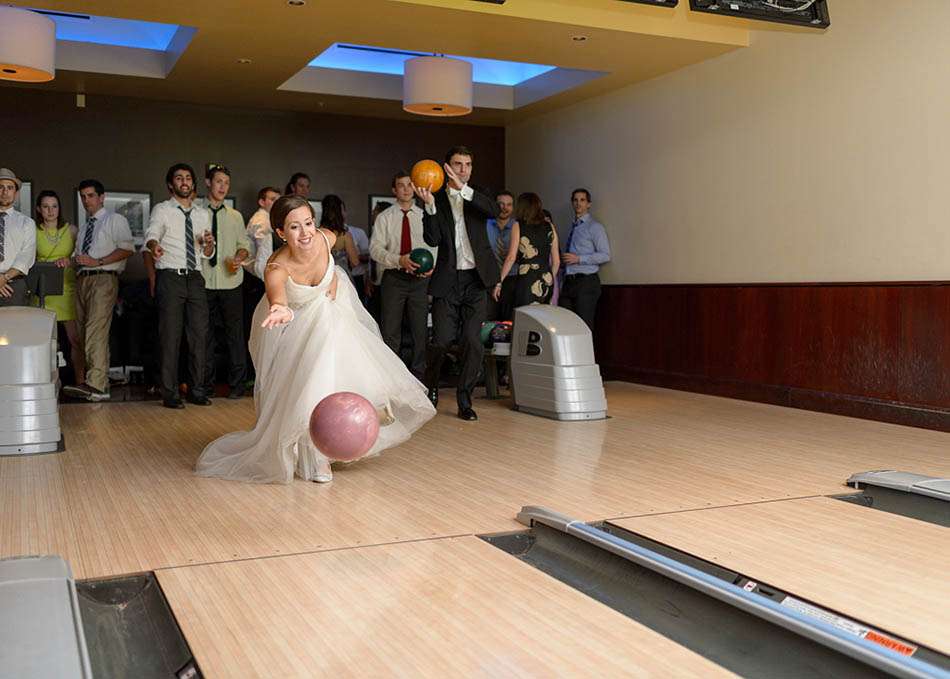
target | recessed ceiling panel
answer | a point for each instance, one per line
(111, 31)
(382, 60)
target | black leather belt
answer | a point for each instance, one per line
(96, 272)
(402, 273)
(180, 272)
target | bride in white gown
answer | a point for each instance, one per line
(311, 337)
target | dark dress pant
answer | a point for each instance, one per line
(463, 309)
(226, 319)
(580, 294)
(405, 296)
(182, 305)
(19, 293)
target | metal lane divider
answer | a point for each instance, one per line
(823, 633)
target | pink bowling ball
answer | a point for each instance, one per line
(344, 426)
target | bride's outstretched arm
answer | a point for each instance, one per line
(275, 279)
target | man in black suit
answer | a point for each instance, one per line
(465, 270)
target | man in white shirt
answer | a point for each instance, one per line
(103, 244)
(224, 273)
(260, 234)
(465, 270)
(17, 243)
(396, 232)
(178, 238)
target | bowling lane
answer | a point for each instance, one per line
(124, 499)
(450, 607)
(883, 569)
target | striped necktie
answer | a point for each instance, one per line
(191, 262)
(3, 232)
(87, 237)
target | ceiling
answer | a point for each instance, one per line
(627, 42)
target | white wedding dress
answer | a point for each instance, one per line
(329, 346)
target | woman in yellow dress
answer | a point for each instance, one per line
(55, 242)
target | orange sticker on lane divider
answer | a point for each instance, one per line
(888, 642)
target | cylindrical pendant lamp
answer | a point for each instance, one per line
(437, 86)
(27, 46)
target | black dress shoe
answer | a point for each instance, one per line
(467, 414)
(433, 395)
(174, 403)
(236, 392)
(199, 400)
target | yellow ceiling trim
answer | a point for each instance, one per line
(612, 15)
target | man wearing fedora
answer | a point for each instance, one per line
(17, 243)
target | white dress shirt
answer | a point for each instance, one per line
(464, 256)
(387, 237)
(167, 226)
(19, 242)
(262, 243)
(110, 231)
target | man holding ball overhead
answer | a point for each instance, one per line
(465, 271)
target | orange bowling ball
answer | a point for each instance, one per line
(428, 174)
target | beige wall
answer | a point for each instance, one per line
(808, 156)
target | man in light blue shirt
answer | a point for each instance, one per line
(587, 248)
(499, 236)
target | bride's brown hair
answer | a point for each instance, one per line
(283, 206)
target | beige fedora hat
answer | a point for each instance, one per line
(6, 173)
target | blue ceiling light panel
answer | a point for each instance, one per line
(381, 60)
(110, 31)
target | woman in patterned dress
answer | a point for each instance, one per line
(534, 250)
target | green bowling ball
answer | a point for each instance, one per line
(423, 258)
(485, 333)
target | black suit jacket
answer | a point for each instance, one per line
(438, 230)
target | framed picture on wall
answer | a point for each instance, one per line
(231, 202)
(377, 199)
(135, 206)
(24, 199)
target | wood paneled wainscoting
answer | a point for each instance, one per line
(878, 351)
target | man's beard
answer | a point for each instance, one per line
(181, 192)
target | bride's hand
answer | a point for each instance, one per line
(331, 293)
(279, 315)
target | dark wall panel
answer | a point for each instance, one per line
(875, 350)
(129, 143)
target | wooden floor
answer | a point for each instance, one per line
(123, 499)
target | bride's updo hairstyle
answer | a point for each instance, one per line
(282, 207)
